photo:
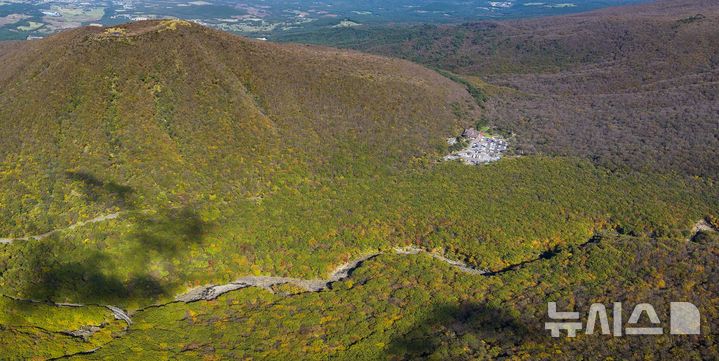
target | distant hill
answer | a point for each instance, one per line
(22, 19)
(545, 44)
(632, 86)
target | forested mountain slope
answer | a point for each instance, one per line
(147, 162)
(179, 112)
(632, 87)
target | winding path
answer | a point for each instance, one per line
(342, 272)
(266, 282)
(211, 292)
(73, 226)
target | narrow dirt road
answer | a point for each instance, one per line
(73, 226)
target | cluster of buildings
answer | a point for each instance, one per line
(480, 148)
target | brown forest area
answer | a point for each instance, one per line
(633, 86)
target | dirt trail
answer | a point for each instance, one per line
(342, 272)
(211, 292)
(73, 226)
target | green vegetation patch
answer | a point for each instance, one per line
(472, 89)
(31, 26)
(490, 217)
(36, 330)
(416, 307)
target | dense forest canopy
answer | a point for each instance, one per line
(169, 191)
(632, 87)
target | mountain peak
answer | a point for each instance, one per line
(143, 27)
(168, 105)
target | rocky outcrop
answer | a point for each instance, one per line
(119, 314)
(343, 271)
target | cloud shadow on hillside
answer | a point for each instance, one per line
(462, 331)
(168, 232)
(59, 270)
(95, 188)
